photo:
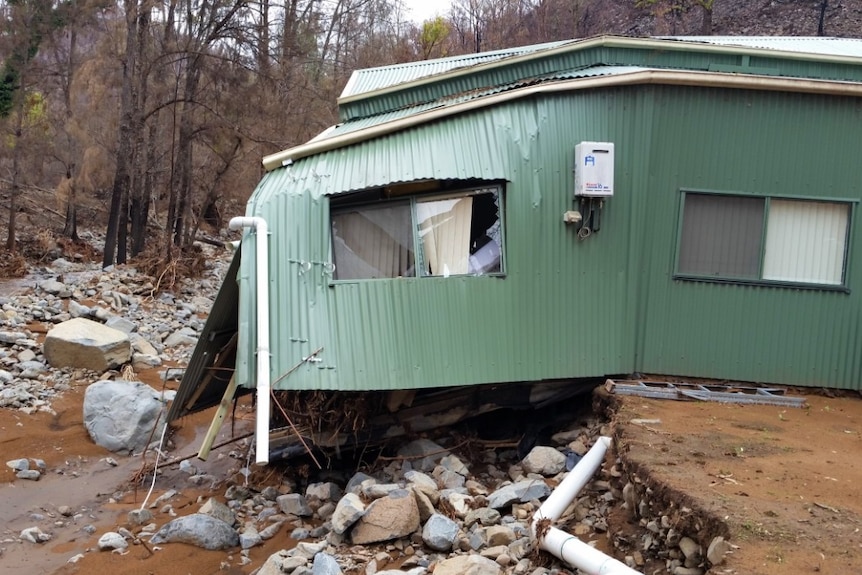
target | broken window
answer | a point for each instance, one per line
(763, 239)
(459, 233)
(372, 242)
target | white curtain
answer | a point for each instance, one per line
(805, 242)
(373, 243)
(444, 226)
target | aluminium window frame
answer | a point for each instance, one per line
(499, 187)
(843, 287)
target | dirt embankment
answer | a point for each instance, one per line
(783, 485)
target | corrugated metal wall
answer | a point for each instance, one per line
(568, 308)
(755, 143)
(559, 312)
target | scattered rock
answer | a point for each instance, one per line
(717, 550)
(18, 464)
(520, 492)
(218, 510)
(544, 460)
(390, 517)
(294, 504)
(198, 530)
(87, 344)
(423, 454)
(34, 535)
(111, 540)
(439, 532)
(468, 565)
(140, 516)
(325, 565)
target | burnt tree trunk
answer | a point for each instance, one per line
(125, 149)
(820, 22)
(70, 227)
(185, 145)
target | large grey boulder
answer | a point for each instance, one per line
(198, 530)
(120, 415)
(86, 344)
(390, 517)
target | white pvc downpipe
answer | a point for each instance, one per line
(568, 547)
(262, 312)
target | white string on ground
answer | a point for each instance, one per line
(156, 466)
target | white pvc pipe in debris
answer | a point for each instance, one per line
(262, 312)
(568, 547)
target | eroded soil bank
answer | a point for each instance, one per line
(783, 485)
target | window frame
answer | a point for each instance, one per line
(850, 203)
(364, 198)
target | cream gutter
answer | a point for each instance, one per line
(663, 77)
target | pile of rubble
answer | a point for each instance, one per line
(160, 327)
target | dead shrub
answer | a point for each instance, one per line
(168, 270)
(45, 245)
(12, 264)
(327, 414)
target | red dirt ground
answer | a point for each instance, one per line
(787, 481)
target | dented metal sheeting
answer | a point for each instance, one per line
(211, 366)
(718, 393)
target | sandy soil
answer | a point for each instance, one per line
(788, 482)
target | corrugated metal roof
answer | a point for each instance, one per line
(371, 79)
(375, 79)
(851, 47)
(367, 122)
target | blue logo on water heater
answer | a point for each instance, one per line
(589, 160)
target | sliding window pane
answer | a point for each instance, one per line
(372, 242)
(805, 242)
(721, 236)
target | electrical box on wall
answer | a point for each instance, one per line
(594, 169)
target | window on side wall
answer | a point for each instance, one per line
(765, 240)
(454, 234)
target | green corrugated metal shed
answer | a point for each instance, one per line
(776, 119)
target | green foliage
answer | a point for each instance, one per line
(36, 112)
(8, 86)
(36, 18)
(434, 32)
